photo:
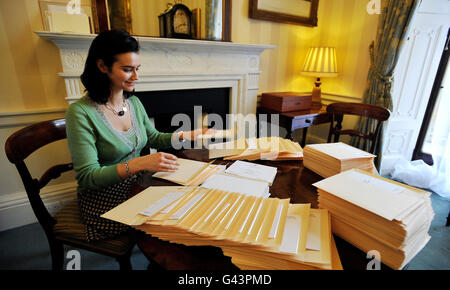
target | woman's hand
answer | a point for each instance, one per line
(161, 162)
(157, 162)
(193, 135)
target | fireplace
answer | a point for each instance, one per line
(161, 106)
(177, 65)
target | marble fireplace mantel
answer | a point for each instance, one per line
(174, 64)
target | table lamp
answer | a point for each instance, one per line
(320, 62)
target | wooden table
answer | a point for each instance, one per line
(292, 181)
(294, 120)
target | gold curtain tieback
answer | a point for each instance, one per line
(386, 79)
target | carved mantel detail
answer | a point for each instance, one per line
(73, 61)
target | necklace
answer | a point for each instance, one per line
(118, 113)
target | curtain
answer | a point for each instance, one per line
(384, 52)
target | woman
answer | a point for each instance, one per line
(108, 128)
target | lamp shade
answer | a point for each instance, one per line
(320, 62)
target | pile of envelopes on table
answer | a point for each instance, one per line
(190, 172)
(329, 159)
(264, 148)
(244, 177)
(374, 213)
(256, 232)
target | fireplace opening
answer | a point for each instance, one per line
(161, 106)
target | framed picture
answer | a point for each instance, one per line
(54, 11)
(196, 23)
(300, 12)
(112, 14)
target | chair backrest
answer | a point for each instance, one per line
(338, 110)
(26, 141)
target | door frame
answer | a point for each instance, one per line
(418, 153)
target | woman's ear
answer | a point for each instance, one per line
(101, 66)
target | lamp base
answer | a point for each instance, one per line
(316, 93)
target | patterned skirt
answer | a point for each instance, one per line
(94, 203)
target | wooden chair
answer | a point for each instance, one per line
(66, 227)
(338, 110)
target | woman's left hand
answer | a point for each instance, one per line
(193, 135)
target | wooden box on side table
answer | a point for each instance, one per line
(286, 101)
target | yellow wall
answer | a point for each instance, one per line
(344, 24)
(29, 79)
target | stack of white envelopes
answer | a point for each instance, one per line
(244, 177)
(374, 213)
(256, 232)
(329, 159)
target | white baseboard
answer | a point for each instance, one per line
(15, 209)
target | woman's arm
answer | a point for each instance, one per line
(160, 140)
(81, 137)
(158, 162)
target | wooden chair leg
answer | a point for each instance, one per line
(153, 265)
(125, 263)
(57, 253)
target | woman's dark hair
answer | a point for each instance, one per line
(105, 46)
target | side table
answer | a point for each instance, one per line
(302, 119)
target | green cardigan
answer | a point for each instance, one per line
(97, 148)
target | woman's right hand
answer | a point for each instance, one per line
(161, 162)
(157, 162)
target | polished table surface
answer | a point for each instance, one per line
(292, 181)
